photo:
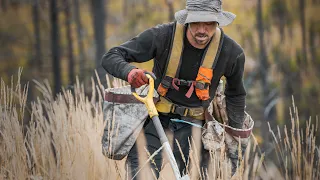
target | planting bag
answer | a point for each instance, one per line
(217, 133)
(124, 117)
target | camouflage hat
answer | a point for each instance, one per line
(204, 11)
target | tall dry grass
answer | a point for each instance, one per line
(296, 149)
(63, 141)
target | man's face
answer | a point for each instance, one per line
(200, 33)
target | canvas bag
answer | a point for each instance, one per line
(124, 117)
(217, 134)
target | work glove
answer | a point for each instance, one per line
(137, 78)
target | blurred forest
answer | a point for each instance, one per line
(60, 40)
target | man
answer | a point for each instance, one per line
(188, 71)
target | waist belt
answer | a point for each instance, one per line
(165, 106)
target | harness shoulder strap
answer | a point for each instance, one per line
(206, 70)
(211, 54)
(176, 51)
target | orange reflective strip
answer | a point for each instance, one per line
(162, 90)
(204, 76)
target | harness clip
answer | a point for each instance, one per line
(182, 111)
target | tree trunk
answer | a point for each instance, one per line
(55, 47)
(35, 62)
(80, 38)
(312, 40)
(303, 30)
(124, 8)
(171, 9)
(71, 63)
(263, 69)
(263, 57)
(37, 35)
(131, 8)
(146, 6)
(4, 5)
(98, 12)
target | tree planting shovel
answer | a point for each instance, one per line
(153, 113)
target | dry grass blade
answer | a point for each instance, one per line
(149, 159)
(182, 155)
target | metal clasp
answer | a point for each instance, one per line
(182, 111)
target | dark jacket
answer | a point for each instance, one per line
(155, 43)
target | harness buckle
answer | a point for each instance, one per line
(183, 82)
(166, 82)
(201, 85)
(182, 111)
(196, 111)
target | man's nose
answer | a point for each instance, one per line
(201, 28)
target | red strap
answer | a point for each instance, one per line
(241, 133)
(191, 89)
(174, 83)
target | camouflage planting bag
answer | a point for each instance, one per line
(217, 133)
(124, 117)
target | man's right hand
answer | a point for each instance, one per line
(137, 78)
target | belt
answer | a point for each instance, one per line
(165, 106)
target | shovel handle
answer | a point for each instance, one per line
(153, 113)
(148, 100)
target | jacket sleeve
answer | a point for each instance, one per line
(235, 92)
(141, 48)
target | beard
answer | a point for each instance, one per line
(201, 38)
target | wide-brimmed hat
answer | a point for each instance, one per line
(204, 11)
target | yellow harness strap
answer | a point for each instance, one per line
(176, 51)
(166, 106)
(212, 50)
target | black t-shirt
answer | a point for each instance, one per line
(191, 59)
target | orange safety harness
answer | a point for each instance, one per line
(205, 73)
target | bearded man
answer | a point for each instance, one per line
(190, 56)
